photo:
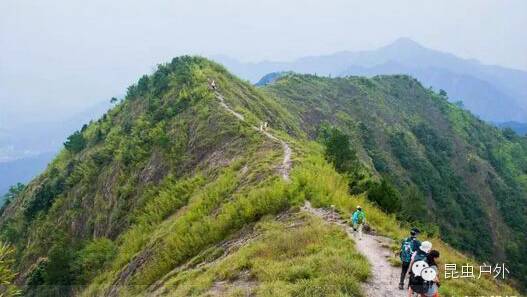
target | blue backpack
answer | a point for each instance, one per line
(407, 250)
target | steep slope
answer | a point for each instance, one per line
(458, 176)
(177, 191)
(168, 135)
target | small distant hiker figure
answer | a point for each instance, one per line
(261, 126)
(408, 247)
(358, 219)
(212, 84)
(265, 125)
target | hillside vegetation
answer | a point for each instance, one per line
(455, 175)
(170, 194)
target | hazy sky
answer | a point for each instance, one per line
(62, 56)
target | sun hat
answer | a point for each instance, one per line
(414, 231)
(426, 246)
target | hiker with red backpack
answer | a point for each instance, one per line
(408, 247)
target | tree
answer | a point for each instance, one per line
(13, 192)
(142, 84)
(459, 104)
(7, 276)
(75, 142)
(99, 136)
(414, 205)
(443, 93)
(509, 133)
(113, 100)
(338, 149)
(386, 196)
(58, 275)
(91, 259)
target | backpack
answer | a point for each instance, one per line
(360, 217)
(407, 249)
(417, 283)
(420, 256)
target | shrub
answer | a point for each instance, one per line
(92, 258)
(7, 276)
(338, 149)
(44, 196)
(75, 142)
(385, 196)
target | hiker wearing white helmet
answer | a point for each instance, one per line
(358, 219)
(416, 282)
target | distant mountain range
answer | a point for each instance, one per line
(520, 128)
(25, 150)
(22, 170)
(494, 93)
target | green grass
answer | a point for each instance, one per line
(325, 187)
(167, 175)
(309, 259)
(470, 177)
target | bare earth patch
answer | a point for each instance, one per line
(243, 285)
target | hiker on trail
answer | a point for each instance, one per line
(433, 285)
(417, 283)
(358, 219)
(408, 247)
(265, 126)
(212, 84)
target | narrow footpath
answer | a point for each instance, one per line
(285, 167)
(385, 278)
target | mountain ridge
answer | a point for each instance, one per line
(154, 190)
(410, 54)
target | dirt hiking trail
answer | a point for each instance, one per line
(285, 167)
(385, 278)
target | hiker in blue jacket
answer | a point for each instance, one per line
(358, 218)
(408, 247)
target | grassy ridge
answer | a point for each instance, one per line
(325, 187)
(298, 256)
(151, 190)
(456, 175)
(167, 129)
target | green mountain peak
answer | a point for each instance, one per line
(197, 183)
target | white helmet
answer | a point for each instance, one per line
(426, 246)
